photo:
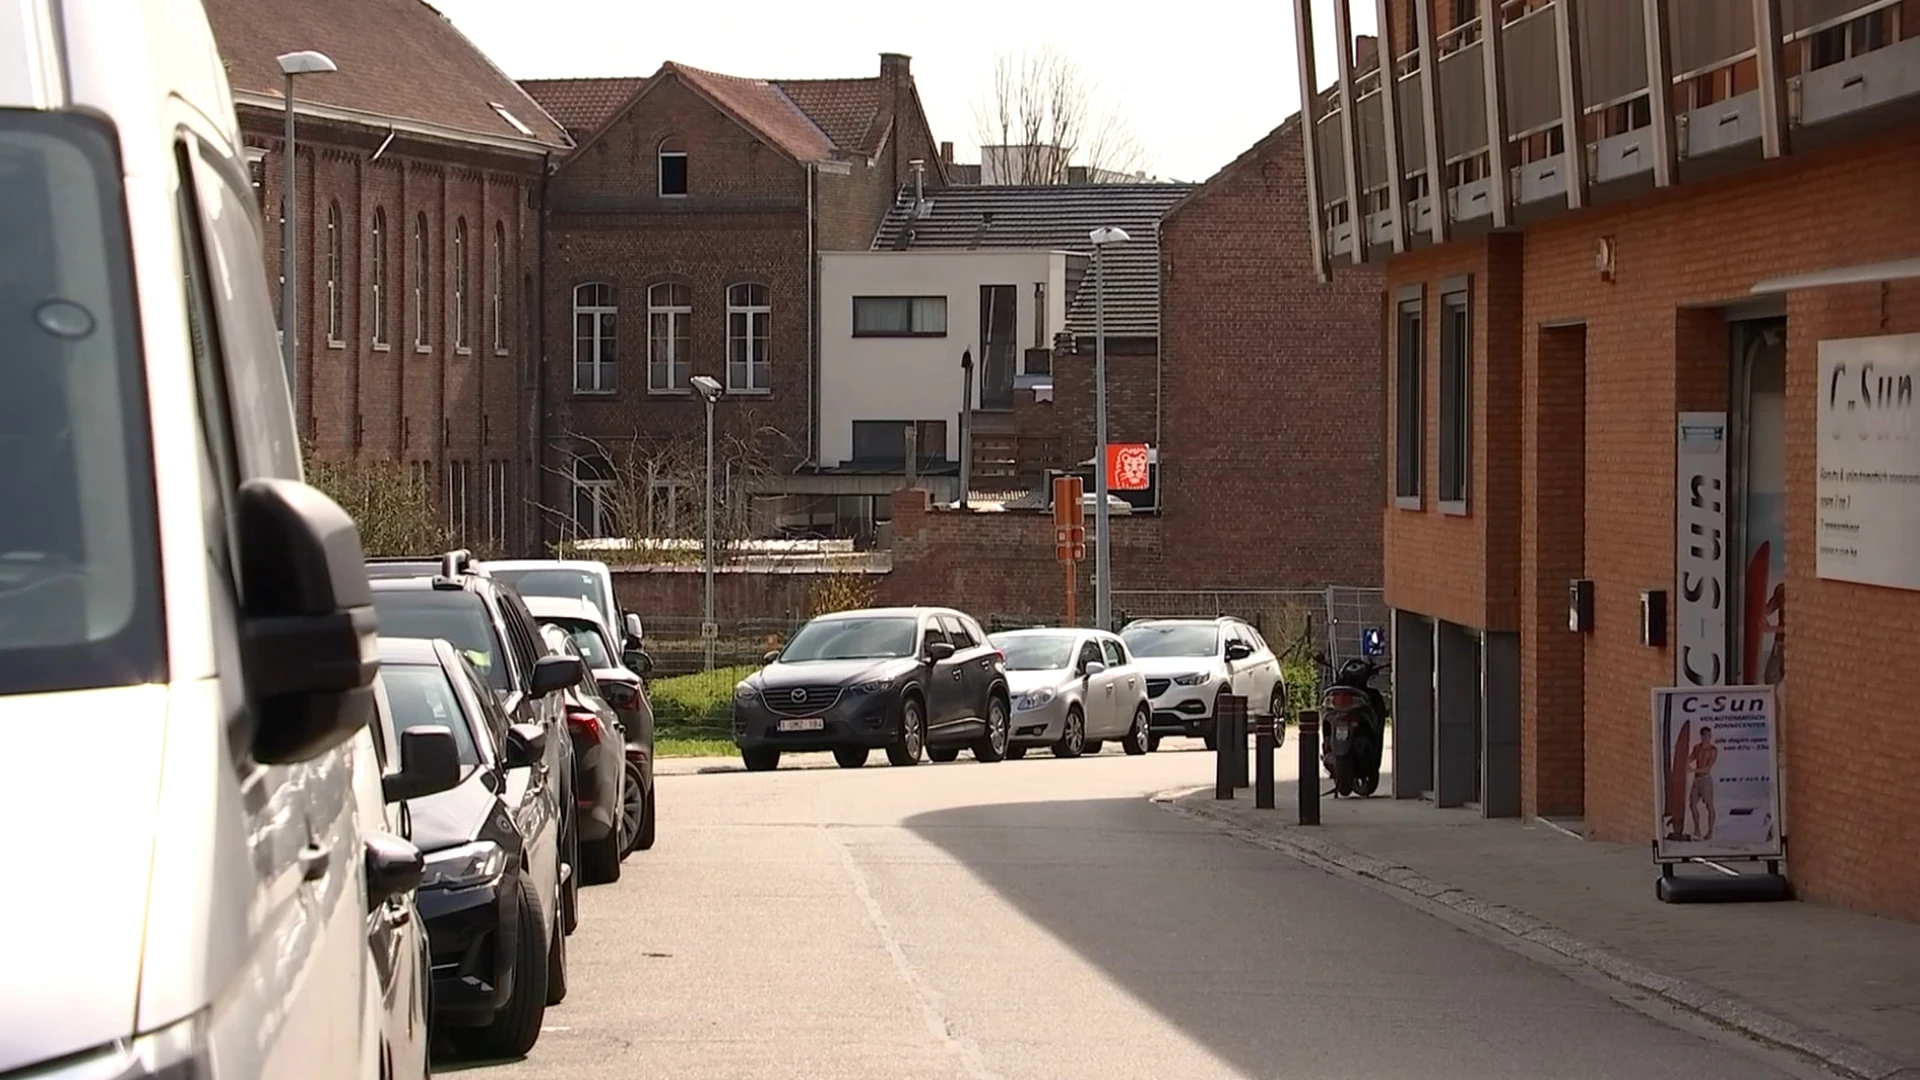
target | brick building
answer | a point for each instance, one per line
(1624, 373)
(415, 240)
(681, 240)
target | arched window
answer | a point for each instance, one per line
(499, 287)
(594, 490)
(594, 316)
(421, 338)
(669, 313)
(673, 167)
(748, 315)
(379, 276)
(333, 273)
(460, 284)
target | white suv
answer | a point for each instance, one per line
(1189, 663)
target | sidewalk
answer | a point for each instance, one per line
(1840, 987)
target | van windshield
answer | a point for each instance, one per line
(79, 565)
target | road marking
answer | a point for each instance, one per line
(943, 1030)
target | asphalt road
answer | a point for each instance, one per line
(1041, 919)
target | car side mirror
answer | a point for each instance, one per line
(770, 656)
(940, 650)
(630, 624)
(552, 673)
(638, 661)
(308, 646)
(1239, 651)
(526, 745)
(429, 764)
(1094, 667)
(394, 867)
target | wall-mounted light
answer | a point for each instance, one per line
(1580, 605)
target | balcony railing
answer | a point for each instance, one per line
(1496, 110)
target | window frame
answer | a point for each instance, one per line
(497, 501)
(422, 258)
(334, 312)
(377, 279)
(500, 343)
(1409, 399)
(1456, 395)
(602, 494)
(912, 308)
(747, 311)
(459, 500)
(606, 371)
(461, 344)
(921, 457)
(670, 147)
(679, 317)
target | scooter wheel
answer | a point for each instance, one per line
(1342, 777)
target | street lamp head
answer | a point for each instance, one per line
(706, 386)
(1108, 234)
(307, 62)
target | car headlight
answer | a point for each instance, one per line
(479, 863)
(745, 693)
(1033, 699)
(872, 686)
(176, 1052)
(1194, 679)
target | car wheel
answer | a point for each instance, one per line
(647, 823)
(1073, 740)
(600, 859)
(993, 745)
(1015, 753)
(943, 753)
(761, 759)
(1153, 741)
(557, 968)
(633, 810)
(516, 1027)
(570, 888)
(850, 757)
(1139, 738)
(911, 743)
(1277, 708)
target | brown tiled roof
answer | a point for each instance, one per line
(843, 108)
(761, 106)
(582, 105)
(399, 59)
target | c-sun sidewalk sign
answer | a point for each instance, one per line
(1716, 792)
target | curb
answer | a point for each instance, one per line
(1843, 1056)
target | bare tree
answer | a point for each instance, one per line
(396, 512)
(1041, 117)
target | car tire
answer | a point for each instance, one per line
(647, 824)
(1015, 753)
(943, 753)
(761, 759)
(992, 746)
(850, 757)
(557, 968)
(1153, 741)
(516, 1027)
(570, 888)
(1277, 708)
(633, 810)
(600, 859)
(1140, 738)
(1073, 737)
(911, 743)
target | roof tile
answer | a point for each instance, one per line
(763, 107)
(581, 105)
(843, 108)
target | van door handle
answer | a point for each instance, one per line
(314, 861)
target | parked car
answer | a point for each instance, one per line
(599, 770)
(490, 624)
(425, 762)
(581, 579)
(911, 681)
(206, 880)
(1072, 690)
(625, 690)
(492, 892)
(1189, 663)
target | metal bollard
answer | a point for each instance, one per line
(1222, 765)
(1309, 766)
(1264, 746)
(1230, 735)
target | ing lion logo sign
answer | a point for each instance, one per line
(1127, 467)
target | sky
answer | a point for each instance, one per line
(1199, 82)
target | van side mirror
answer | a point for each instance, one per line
(394, 867)
(308, 645)
(630, 623)
(552, 673)
(429, 764)
(526, 745)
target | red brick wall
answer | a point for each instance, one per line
(1272, 433)
(1131, 390)
(679, 592)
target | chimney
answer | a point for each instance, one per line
(946, 153)
(919, 186)
(896, 95)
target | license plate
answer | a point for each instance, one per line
(811, 723)
(1343, 729)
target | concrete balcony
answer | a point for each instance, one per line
(1462, 131)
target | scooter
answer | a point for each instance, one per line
(1353, 717)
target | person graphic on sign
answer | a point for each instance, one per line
(1700, 795)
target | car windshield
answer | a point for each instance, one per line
(457, 617)
(79, 559)
(589, 640)
(554, 581)
(421, 696)
(1036, 652)
(881, 638)
(1172, 639)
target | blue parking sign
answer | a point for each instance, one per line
(1373, 641)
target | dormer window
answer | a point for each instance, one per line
(673, 167)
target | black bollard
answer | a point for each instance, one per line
(1222, 762)
(1309, 767)
(1264, 746)
(1230, 735)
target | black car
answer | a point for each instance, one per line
(905, 680)
(489, 623)
(492, 891)
(599, 770)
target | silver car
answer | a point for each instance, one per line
(1072, 690)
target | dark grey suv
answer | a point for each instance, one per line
(910, 681)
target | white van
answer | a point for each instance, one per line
(187, 641)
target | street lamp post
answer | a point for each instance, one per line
(292, 64)
(709, 391)
(1102, 542)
